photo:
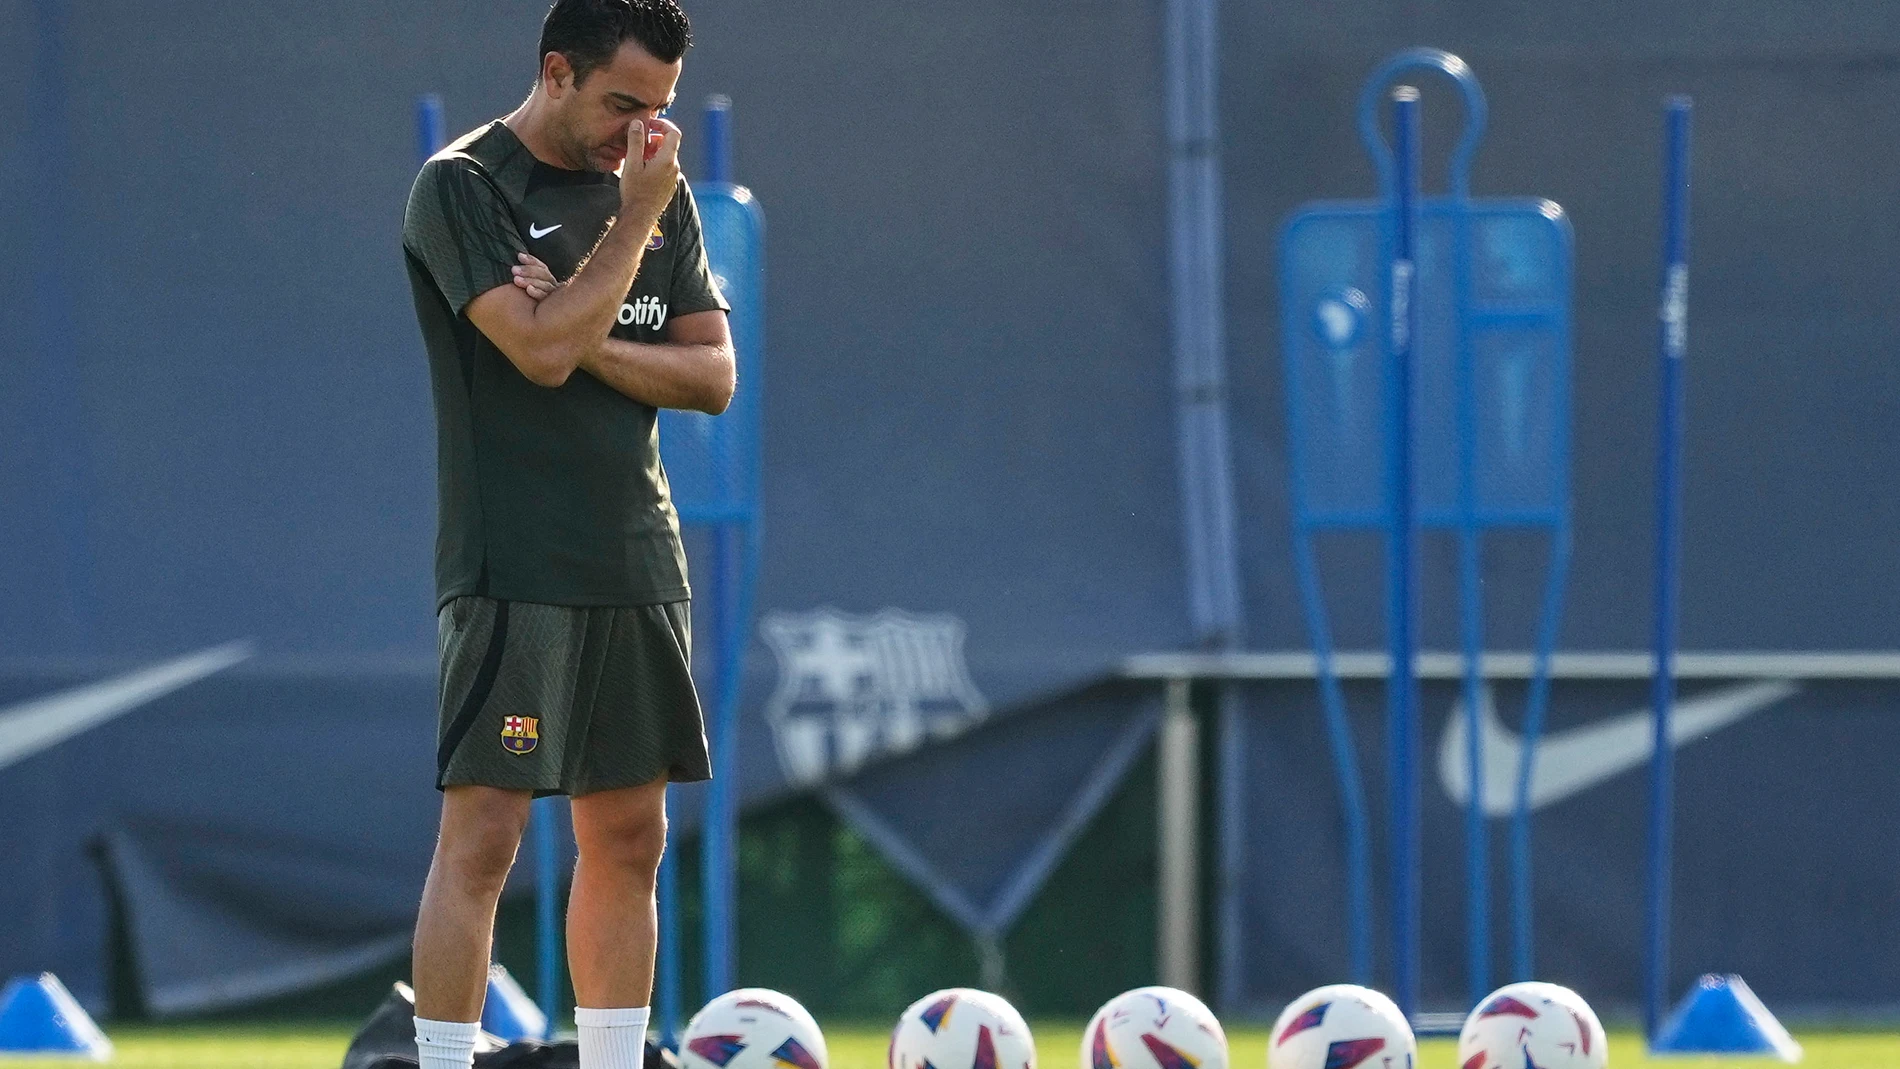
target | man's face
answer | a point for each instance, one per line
(592, 117)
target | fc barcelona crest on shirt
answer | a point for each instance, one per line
(656, 240)
(519, 734)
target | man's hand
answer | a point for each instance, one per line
(648, 182)
(534, 277)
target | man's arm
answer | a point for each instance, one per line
(692, 369)
(547, 339)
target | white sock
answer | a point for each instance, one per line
(446, 1044)
(612, 1039)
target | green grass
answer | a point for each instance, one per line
(1057, 1044)
(214, 1047)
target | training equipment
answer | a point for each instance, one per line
(431, 129)
(1154, 1028)
(1427, 353)
(1720, 1015)
(1401, 548)
(508, 1012)
(1673, 342)
(753, 1028)
(1533, 1025)
(961, 1028)
(1341, 1026)
(39, 1016)
(390, 1032)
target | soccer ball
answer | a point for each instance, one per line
(752, 1028)
(1154, 1028)
(961, 1029)
(1533, 1026)
(1341, 1026)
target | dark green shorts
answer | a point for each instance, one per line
(563, 699)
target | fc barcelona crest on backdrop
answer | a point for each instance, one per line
(852, 688)
(519, 734)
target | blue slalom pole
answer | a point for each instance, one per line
(1673, 334)
(1470, 606)
(719, 827)
(546, 931)
(1401, 559)
(666, 979)
(718, 138)
(717, 860)
(431, 131)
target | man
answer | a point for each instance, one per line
(561, 582)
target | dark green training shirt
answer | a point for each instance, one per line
(546, 495)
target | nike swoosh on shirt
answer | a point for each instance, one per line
(42, 723)
(537, 232)
(1570, 762)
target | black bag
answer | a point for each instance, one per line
(388, 1041)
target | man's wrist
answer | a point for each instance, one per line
(635, 214)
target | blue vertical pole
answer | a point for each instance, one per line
(1673, 335)
(1401, 559)
(718, 138)
(431, 131)
(547, 887)
(666, 980)
(715, 862)
(718, 860)
(720, 825)
(1470, 609)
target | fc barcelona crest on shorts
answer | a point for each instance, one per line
(519, 734)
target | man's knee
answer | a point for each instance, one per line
(632, 843)
(480, 836)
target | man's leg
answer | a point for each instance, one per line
(481, 829)
(612, 929)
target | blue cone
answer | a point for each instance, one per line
(1720, 1015)
(39, 1016)
(508, 1012)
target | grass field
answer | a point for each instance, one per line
(1057, 1045)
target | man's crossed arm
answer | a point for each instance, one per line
(692, 369)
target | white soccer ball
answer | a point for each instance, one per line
(1154, 1028)
(960, 1028)
(1341, 1026)
(1533, 1026)
(752, 1028)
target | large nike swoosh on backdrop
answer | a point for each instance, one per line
(1571, 762)
(30, 727)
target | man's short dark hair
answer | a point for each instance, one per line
(589, 32)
